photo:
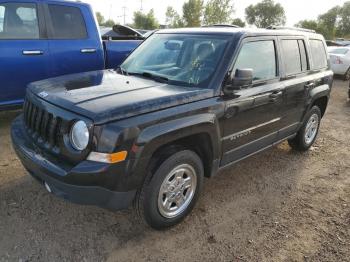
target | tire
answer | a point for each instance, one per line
(156, 195)
(303, 141)
(346, 76)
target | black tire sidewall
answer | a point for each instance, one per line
(151, 190)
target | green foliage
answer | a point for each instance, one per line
(108, 23)
(308, 24)
(218, 12)
(265, 13)
(239, 22)
(344, 20)
(192, 13)
(100, 18)
(173, 19)
(145, 21)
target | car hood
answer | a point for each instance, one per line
(106, 95)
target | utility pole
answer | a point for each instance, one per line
(141, 9)
(124, 13)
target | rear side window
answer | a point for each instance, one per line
(259, 56)
(291, 57)
(318, 52)
(19, 21)
(67, 23)
(294, 56)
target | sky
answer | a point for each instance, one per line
(296, 10)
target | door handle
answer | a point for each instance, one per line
(275, 95)
(88, 50)
(32, 52)
(310, 86)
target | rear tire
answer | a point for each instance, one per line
(307, 134)
(346, 76)
(170, 193)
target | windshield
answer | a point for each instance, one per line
(340, 51)
(182, 59)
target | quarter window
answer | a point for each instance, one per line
(318, 52)
(18, 21)
(259, 56)
(67, 22)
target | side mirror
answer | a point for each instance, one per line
(243, 78)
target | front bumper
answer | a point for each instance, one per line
(57, 177)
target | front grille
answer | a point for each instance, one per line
(43, 126)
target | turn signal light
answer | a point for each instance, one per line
(108, 158)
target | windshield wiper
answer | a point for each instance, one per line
(158, 78)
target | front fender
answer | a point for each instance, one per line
(153, 137)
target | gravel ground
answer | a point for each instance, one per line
(279, 205)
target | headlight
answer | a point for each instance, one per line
(79, 135)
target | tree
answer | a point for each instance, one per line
(218, 12)
(100, 18)
(192, 13)
(327, 22)
(145, 21)
(308, 24)
(239, 22)
(172, 18)
(108, 23)
(344, 20)
(265, 13)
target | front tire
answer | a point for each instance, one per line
(307, 134)
(170, 193)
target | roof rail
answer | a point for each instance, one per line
(273, 27)
(222, 25)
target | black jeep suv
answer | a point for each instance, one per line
(184, 105)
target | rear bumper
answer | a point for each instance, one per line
(339, 69)
(54, 175)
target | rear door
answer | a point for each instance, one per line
(297, 81)
(23, 49)
(74, 43)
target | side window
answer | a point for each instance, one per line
(318, 52)
(67, 22)
(2, 16)
(303, 56)
(291, 57)
(18, 21)
(259, 56)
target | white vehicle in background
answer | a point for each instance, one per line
(340, 61)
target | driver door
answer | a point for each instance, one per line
(253, 115)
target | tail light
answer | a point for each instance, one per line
(338, 61)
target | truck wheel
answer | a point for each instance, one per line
(170, 193)
(307, 134)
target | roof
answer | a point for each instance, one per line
(240, 31)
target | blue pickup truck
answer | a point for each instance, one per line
(41, 39)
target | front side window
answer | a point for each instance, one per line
(67, 22)
(318, 52)
(18, 21)
(260, 56)
(184, 59)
